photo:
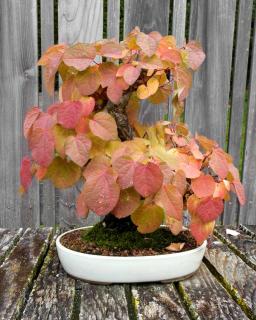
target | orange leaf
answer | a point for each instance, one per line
(239, 189)
(146, 43)
(81, 206)
(104, 126)
(128, 202)
(79, 56)
(88, 81)
(131, 74)
(25, 173)
(176, 246)
(180, 182)
(108, 71)
(218, 163)
(77, 148)
(196, 55)
(60, 135)
(201, 230)
(209, 209)
(203, 186)
(170, 199)
(143, 92)
(30, 118)
(124, 166)
(174, 225)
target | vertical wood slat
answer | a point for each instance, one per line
(149, 16)
(18, 91)
(238, 96)
(47, 196)
(247, 212)
(179, 20)
(212, 23)
(113, 19)
(78, 21)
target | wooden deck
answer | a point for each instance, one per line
(33, 285)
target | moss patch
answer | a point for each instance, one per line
(131, 239)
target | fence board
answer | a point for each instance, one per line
(47, 194)
(149, 16)
(79, 21)
(238, 96)
(247, 212)
(179, 20)
(18, 91)
(113, 19)
(212, 23)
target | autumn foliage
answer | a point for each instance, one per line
(151, 173)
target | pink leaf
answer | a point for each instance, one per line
(79, 56)
(218, 163)
(115, 92)
(131, 74)
(81, 206)
(104, 126)
(30, 118)
(147, 44)
(108, 73)
(147, 179)
(77, 148)
(196, 55)
(69, 113)
(88, 105)
(124, 166)
(239, 189)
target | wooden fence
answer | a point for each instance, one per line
(223, 94)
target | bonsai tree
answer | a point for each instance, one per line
(150, 173)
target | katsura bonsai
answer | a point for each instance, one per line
(147, 175)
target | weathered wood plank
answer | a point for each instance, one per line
(103, 302)
(79, 21)
(18, 91)
(157, 302)
(212, 23)
(247, 212)
(113, 19)
(19, 269)
(47, 194)
(179, 20)
(238, 96)
(235, 273)
(8, 238)
(243, 244)
(208, 299)
(53, 293)
(251, 230)
(149, 16)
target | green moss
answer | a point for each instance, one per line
(109, 238)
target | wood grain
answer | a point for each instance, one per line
(209, 298)
(18, 271)
(113, 19)
(238, 96)
(47, 194)
(244, 243)
(8, 239)
(103, 302)
(158, 302)
(53, 293)
(79, 21)
(234, 270)
(179, 20)
(247, 212)
(150, 15)
(18, 92)
(212, 23)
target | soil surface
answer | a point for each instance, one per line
(91, 242)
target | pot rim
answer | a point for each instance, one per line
(96, 256)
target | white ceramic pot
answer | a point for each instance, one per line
(106, 269)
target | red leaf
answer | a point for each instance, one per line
(41, 144)
(209, 209)
(102, 192)
(128, 202)
(69, 113)
(239, 189)
(218, 163)
(203, 186)
(44, 121)
(30, 118)
(25, 173)
(170, 199)
(147, 179)
(77, 148)
(124, 166)
(104, 126)
(79, 56)
(81, 206)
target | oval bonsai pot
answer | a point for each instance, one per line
(113, 269)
